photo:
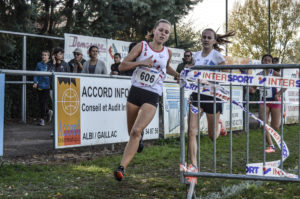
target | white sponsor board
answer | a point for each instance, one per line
(177, 55)
(108, 48)
(99, 112)
(115, 46)
(171, 110)
(291, 96)
(84, 42)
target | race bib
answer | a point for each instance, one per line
(268, 93)
(147, 76)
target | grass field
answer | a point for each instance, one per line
(153, 174)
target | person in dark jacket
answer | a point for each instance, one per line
(76, 64)
(187, 61)
(42, 84)
(115, 67)
(58, 64)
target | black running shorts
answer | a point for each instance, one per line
(207, 107)
(139, 96)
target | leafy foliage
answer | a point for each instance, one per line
(127, 20)
(250, 21)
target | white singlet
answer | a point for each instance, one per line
(212, 59)
(151, 79)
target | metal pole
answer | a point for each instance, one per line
(182, 133)
(269, 27)
(175, 33)
(264, 126)
(24, 80)
(281, 120)
(226, 22)
(247, 123)
(298, 135)
(199, 117)
(214, 130)
(230, 136)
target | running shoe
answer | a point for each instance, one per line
(193, 169)
(223, 130)
(119, 173)
(42, 122)
(270, 149)
(141, 145)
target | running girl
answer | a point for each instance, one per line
(151, 66)
(272, 94)
(209, 55)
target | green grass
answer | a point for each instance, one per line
(153, 174)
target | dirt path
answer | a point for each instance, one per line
(32, 144)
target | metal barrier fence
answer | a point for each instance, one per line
(197, 88)
(24, 63)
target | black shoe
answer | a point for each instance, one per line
(119, 173)
(141, 145)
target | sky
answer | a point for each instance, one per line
(210, 14)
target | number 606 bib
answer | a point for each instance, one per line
(147, 76)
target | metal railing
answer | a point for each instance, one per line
(24, 62)
(230, 175)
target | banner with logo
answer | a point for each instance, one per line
(177, 55)
(92, 111)
(84, 42)
(115, 46)
(291, 99)
(171, 111)
(2, 93)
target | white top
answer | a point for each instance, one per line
(270, 91)
(212, 59)
(151, 79)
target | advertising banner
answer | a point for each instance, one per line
(92, 111)
(171, 111)
(84, 42)
(115, 46)
(108, 48)
(177, 55)
(2, 93)
(291, 99)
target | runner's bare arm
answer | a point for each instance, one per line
(224, 70)
(128, 63)
(170, 70)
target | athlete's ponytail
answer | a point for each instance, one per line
(221, 39)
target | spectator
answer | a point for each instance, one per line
(76, 64)
(42, 84)
(129, 72)
(94, 65)
(58, 64)
(187, 61)
(115, 67)
(276, 61)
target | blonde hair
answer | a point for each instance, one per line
(150, 35)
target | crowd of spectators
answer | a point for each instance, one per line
(76, 65)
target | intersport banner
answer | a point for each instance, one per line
(92, 111)
(171, 111)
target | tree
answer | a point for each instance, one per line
(250, 21)
(187, 37)
(127, 20)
